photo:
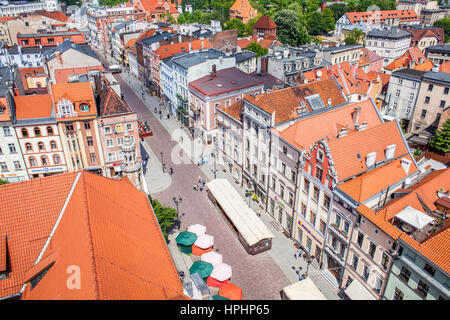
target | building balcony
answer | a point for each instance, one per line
(67, 115)
(194, 108)
(341, 233)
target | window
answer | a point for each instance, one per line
(326, 201)
(316, 194)
(53, 145)
(49, 131)
(306, 186)
(308, 244)
(56, 159)
(107, 130)
(84, 107)
(385, 261)
(422, 288)
(69, 126)
(322, 226)
(109, 143)
(291, 198)
(65, 107)
(398, 295)
(120, 141)
(32, 161)
(274, 181)
(41, 146)
(12, 147)
(3, 166)
(283, 168)
(112, 156)
(89, 141)
(366, 272)
(37, 132)
(6, 131)
(397, 93)
(28, 147)
(429, 269)
(92, 157)
(427, 100)
(44, 161)
(17, 165)
(87, 125)
(424, 114)
(319, 173)
(442, 105)
(360, 239)
(284, 149)
(303, 209)
(405, 274)
(430, 87)
(282, 192)
(411, 96)
(129, 127)
(24, 133)
(320, 155)
(446, 89)
(372, 249)
(355, 262)
(312, 217)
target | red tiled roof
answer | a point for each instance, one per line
(56, 15)
(62, 75)
(445, 67)
(413, 54)
(5, 115)
(345, 150)
(368, 57)
(426, 66)
(244, 8)
(33, 106)
(306, 132)
(381, 16)
(265, 22)
(284, 102)
(235, 110)
(169, 50)
(108, 231)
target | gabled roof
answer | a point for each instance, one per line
(265, 22)
(349, 152)
(368, 57)
(110, 103)
(33, 106)
(381, 16)
(67, 45)
(284, 102)
(56, 15)
(108, 230)
(306, 132)
(172, 49)
(73, 91)
(235, 110)
(243, 7)
(411, 55)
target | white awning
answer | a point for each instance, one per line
(244, 218)
(303, 290)
(356, 291)
(414, 217)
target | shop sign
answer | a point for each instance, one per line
(304, 227)
(45, 170)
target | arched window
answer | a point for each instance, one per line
(56, 159)
(32, 161)
(65, 107)
(49, 131)
(84, 107)
(44, 160)
(37, 131)
(41, 146)
(28, 147)
(53, 145)
(24, 133)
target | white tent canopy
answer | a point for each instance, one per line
(198, 229)
(212, 257)
(204, 241)
(244, 218)
(221, 272)
(303, 290)
(356, 291)
(414, 217)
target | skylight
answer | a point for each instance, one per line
(315, 102)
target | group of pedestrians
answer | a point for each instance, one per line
(201, 184)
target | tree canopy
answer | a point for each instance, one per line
(257, 48)
(166, 216)
(441, 141)
(445, 24)
(289, 29)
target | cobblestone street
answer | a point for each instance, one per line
(262, 276)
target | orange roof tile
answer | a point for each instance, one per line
(368, 57)
(284, 102)
(56, 15)
(388, 228)
(7, 18)
(265, 22)
(5, 115)
(33, 106)
(130, 43)
(445, 67)
(235, 110)
(411, 55)
(371, 183)
(345, 150)
(381, 16)
(244, 8)
(169, 50)
(62, 75)
(426, 66)
(108, 230)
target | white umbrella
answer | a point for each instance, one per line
(212, 257)
(221, 272)
(205, 241)
(198, 229)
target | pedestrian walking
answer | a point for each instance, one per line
(199, 179)
(195, 187)
(203, 183)
(201, 187)
(156, 109)
(259, 212)
(171, 171)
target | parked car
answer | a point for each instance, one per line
(114, 68)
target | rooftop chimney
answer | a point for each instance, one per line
(330, 102)
(390, 149)
(213, 72)
(203, 44)
(370, 160)
(355, 116)
(190, 46)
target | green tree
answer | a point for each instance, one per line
(315, 23)
(328, 19)
(3, 182)
(339, 9)
(236, 24)
(289, 29)
(111, 3)
(441, 141)
(257, 48)
(166, 216)
(312, 5)
(354, 36)
(445, 24)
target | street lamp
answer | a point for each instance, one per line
(162, 161)
(177, 202)
(309, 260)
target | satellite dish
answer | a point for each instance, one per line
(319, 73)
(408, 180)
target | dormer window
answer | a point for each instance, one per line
(84, 107)
(65, 108)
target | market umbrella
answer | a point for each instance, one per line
(204, 242)
(198, 229)
(221, 272)
(231, 291)
(185, 240)
(218, 297)
(212, 257)
(202, 268)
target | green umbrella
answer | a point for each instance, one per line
(203, 268)
(217, 297)
(186, 238)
